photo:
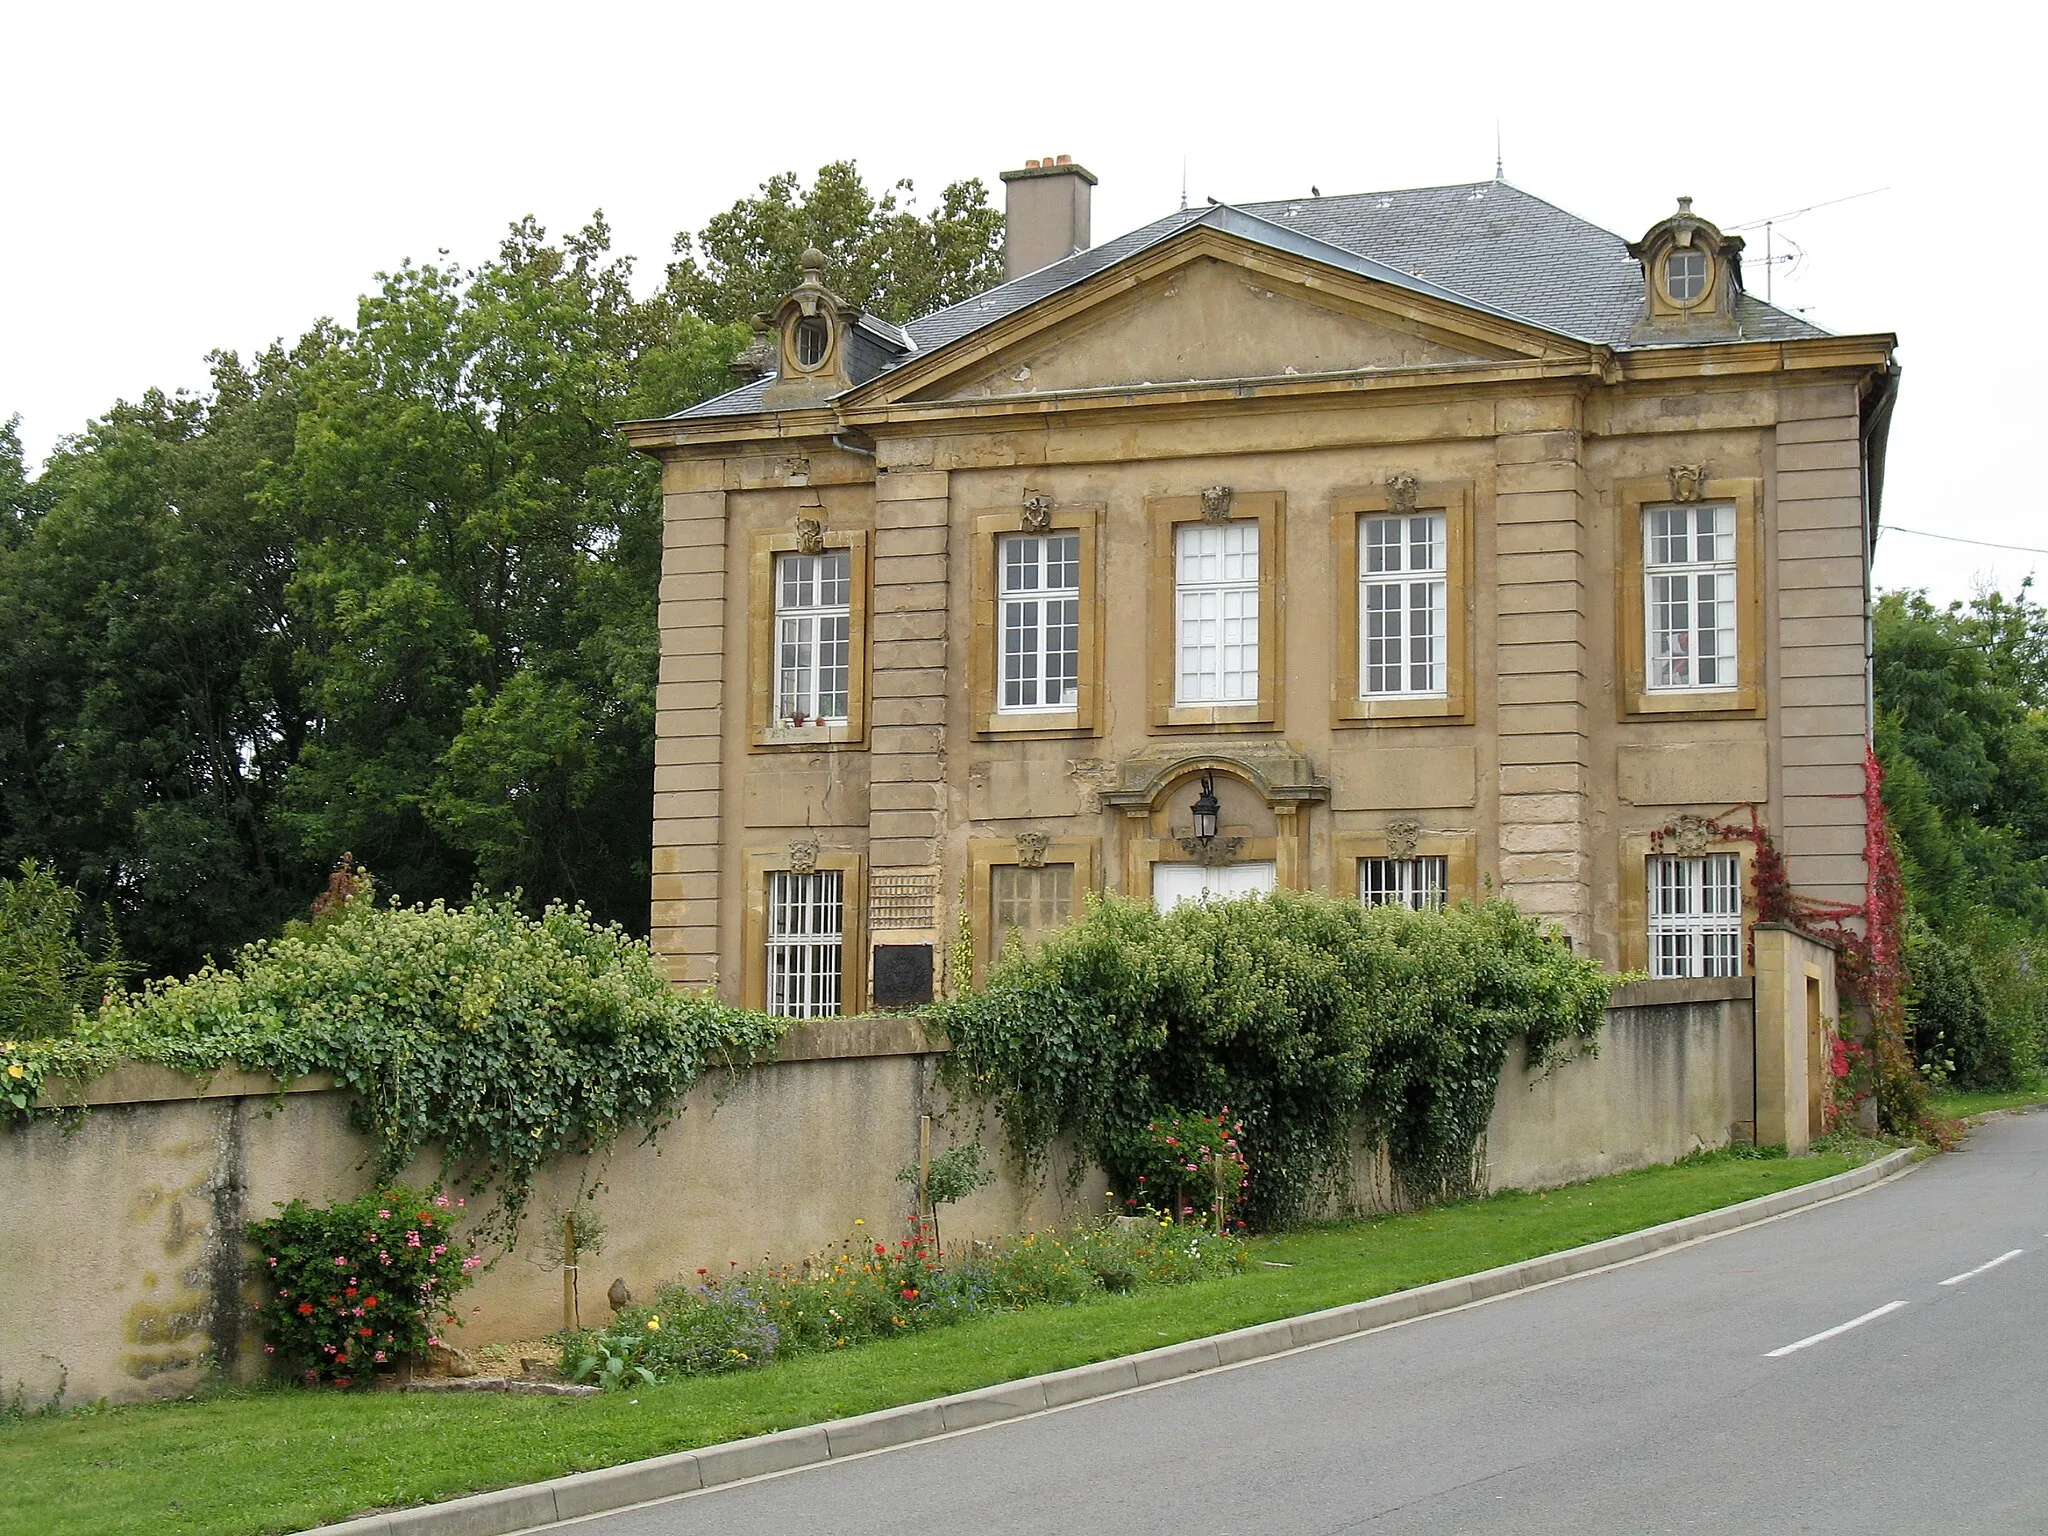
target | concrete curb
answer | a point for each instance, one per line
(661, 1477)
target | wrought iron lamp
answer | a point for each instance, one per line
(1206, 811)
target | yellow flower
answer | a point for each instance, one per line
(858, 1222)
(14, 1069)
(654, 1325)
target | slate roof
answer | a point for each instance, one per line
(1485, 243)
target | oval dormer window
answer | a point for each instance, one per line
(1685, 276)
(812, 339)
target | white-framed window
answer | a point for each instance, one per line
(806, 943)
(1030, 903)
(1216, 612)
(1040, 618)
(1403, 579)
(1175, 885)
(813, 655)
(1689, 596)
(1696, 915)
(1419, 883)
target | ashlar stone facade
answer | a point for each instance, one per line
(1439, 580)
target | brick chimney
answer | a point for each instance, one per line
(1045, 213)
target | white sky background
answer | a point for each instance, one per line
(179, 178)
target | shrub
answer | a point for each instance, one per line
(357, 1288)
(1956, 1037)
(50, 981)
(1186, 1162)
(506, 1040)
(1303, 1013)
(863, 1290)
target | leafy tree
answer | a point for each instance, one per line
(49, 977)
(149, 687)
(480, 582)
(1963, 737)
(879, 253)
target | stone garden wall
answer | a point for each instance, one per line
(124, 1272)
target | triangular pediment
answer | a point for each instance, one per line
(1208, 306)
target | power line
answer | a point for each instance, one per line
(1950, 538)
(1793, 213)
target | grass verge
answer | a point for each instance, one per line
(244, 1461)
(1959, 1106)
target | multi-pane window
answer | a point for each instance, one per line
(1402, 582)
(1689, 595)
(813, 617)
(1216, 612)
(1040, 616)
(1030, 903)
(1685, 275)
(1417, 883)
(1696, 916)
(806, 943)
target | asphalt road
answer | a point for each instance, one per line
(1659, 1396)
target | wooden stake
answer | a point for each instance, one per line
(569, 1318)
(924, 1176)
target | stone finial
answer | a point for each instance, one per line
(1401, 493)
(1031, 847)
(1037, 512)
(1216, 502)
(803, 856)
(1688, 481)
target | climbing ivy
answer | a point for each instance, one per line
(498, 1040)
(1304, 1014)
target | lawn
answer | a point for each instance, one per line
(238, 1462)
(1955, 1106)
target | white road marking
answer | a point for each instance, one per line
(1828, 1333)
(1968, 1273)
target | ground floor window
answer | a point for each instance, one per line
(806, 943)
(1173, 884)
(1418, 883)
(1030, 903)
(1696, 915)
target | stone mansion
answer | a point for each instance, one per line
(1410, 546)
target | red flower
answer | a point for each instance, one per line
(910, 1293)
(881, 1249)
(363, 1332)
(369, 1301)
(703, 1271)
(305, 1309)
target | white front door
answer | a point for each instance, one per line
(1173, 884)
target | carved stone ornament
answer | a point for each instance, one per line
(796, 469)
(1402, 837)
(803, 856)
(1037, 512)
(1690, 835)
(1216, 502)
(1401, 493)
(1688, 481)
(810, 536)
(1031, 848)
(1091, 776)
(1216, 852)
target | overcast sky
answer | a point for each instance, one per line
(187, 177)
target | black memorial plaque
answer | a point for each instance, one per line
(903, 975)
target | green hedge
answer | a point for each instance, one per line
(1300, 1014)
(505, 1040)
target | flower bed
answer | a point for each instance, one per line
(861, 1290)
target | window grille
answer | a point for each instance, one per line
(806, 943)
(1418, 883)
(1402, 587)
(1689, 596)
(1041, 622)
(1696, 916)
(813, 617)
(1029, 902)
(1216, 611)
(898, 899)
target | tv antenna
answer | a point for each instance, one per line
(1769, 223)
